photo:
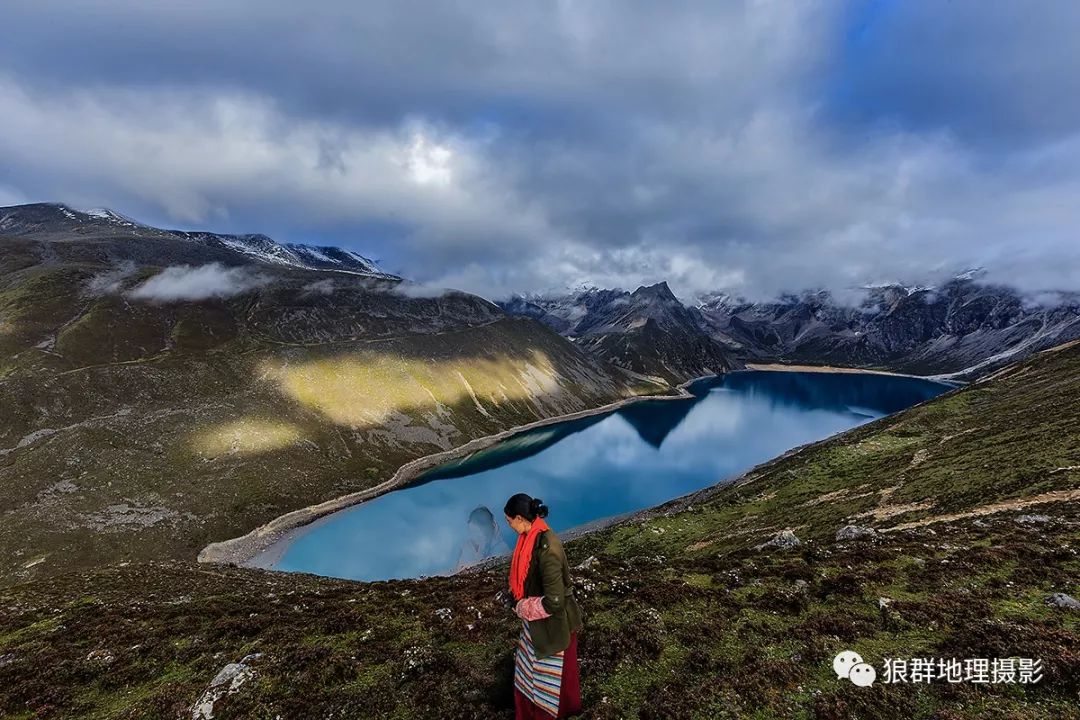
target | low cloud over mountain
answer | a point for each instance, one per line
(513, 148)
(185, 282)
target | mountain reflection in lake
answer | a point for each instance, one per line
(597, 467)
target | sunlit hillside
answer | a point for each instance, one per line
(965, 517)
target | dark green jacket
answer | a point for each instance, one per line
(549, 576)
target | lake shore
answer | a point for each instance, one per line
(781, 367)
(251, 549)
(687, 501)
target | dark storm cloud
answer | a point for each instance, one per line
(993, 72)
(382, 60)
(754, 147)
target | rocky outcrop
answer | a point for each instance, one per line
(855, 532)
(227, 682)
(648, 331)
(783, 540)
(1063, 601)
(964, 327)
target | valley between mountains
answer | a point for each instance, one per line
(162, 390)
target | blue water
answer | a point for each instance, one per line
(605, 465)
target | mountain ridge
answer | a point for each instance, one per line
(139, 425)
(959, 330)
(56, 220)
(647, 331)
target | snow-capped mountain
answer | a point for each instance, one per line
(964, 327)
(648, 331)
(54, 220)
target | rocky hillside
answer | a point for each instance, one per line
(107, 235)
(164, 390)
(948, 530)
(964, 327)
(648, 331)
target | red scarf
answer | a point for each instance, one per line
(519, 564)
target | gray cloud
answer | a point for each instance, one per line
(498, 147)
(110, 281)
(10, 196)
(411, 289)
(187, 283)
(319, 287)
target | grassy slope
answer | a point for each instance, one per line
(684, 619)
(137, 431)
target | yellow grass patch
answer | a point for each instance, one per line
(365, 389)
(245, 436)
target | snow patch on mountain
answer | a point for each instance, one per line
(56, 219)
(111, 216)
(317, 254)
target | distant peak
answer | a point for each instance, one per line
(53, 217)
(41, 212)
(102, 213)
(970, 274)
(659, 290)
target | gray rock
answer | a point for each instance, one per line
(228, 680)
(884, 602)
(783, 540)
(101, 657)
(855, 532)
(1032, 519)
(229, 674)
(588, 563)
(1063, 601)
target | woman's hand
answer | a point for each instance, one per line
(531, 608)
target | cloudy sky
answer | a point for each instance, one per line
(753, 147)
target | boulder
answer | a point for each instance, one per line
(855, 532)
(226, 682)
(1063, 601)
(783, 540)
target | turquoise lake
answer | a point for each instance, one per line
(598, 467)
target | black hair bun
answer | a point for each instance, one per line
(538, 507)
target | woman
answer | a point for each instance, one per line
(546, 680)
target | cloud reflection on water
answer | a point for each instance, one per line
(628, 460)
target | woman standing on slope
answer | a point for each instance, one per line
(546, 679)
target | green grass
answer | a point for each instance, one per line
(221, 447)
(688, 622)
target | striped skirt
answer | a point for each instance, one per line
(541, 683)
